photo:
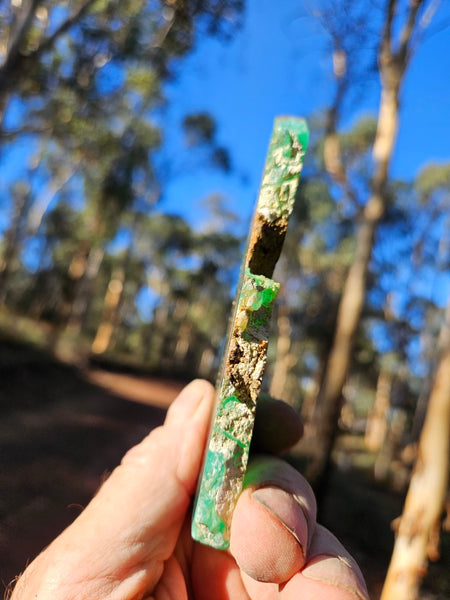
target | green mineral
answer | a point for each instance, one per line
(245, 355)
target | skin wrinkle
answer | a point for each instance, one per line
(335, 559)
(355, 592)
(261, 591)
(309, 512)
(106, 585)
(262, 545)
(180, 476)
(171, 585)
(137, 460)
(285, 525)
(303, 504)
(334, 550)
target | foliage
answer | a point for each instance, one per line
(82, 87)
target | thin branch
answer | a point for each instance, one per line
(407, 31)
(386, 38)
(26, 129)
(48, 42)
(423, 27)
(14, 55)
(436, 30)
(43, 200)
(164, 32)
(332, 150)
(14, 48)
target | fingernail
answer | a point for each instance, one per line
(338, 572)
(285, 508)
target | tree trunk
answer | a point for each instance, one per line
(349, 314)
(87, 271)
(206, 363)
(418, 529)
(376, 427)
(284, 357)
(154, 336)
(12, 242)
(393, 60)
(183, 343)
(353, 295)
(110, 310)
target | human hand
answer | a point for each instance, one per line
(133, 540)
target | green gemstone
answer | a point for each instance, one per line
(228, 446)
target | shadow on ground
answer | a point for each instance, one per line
(60, 435)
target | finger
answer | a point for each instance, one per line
(215, 575)
(330, 572)
(130, 528)
(273, 522)
(277, 426)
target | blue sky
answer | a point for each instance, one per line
(277, 64)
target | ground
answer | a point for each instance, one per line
(63, 429)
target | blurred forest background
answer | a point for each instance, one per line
(110, 265)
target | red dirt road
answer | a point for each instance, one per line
(61, 432)
(146, 390)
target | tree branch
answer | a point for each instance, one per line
(386, 38)
(14, 47)
(26, 129)
(332, 150)
(14, 55)
(48, 42)
(46, 195)
(404, 50)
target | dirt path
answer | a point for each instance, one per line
(146, 390)
(61, 432)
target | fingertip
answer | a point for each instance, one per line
(277, 426)
(330, 566)
(265, 533)
(336, 573)
(197, 393)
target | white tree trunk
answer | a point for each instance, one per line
(418, 530)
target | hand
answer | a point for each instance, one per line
(133, 540)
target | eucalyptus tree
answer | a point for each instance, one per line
(79, 85)
(418, 528)
(399, 30)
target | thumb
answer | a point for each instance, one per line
(130, 528)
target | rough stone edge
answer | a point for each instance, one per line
(275, 203)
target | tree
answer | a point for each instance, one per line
(417, 530)
(13, 236)
(394, 55)
(80, 82)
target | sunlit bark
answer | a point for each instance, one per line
(392, 66)
(111, 304)
(376, 427)
(284, 356)
(85, 272)
(418, 528)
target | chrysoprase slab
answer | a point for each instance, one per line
(245, 355)
(231, 432)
